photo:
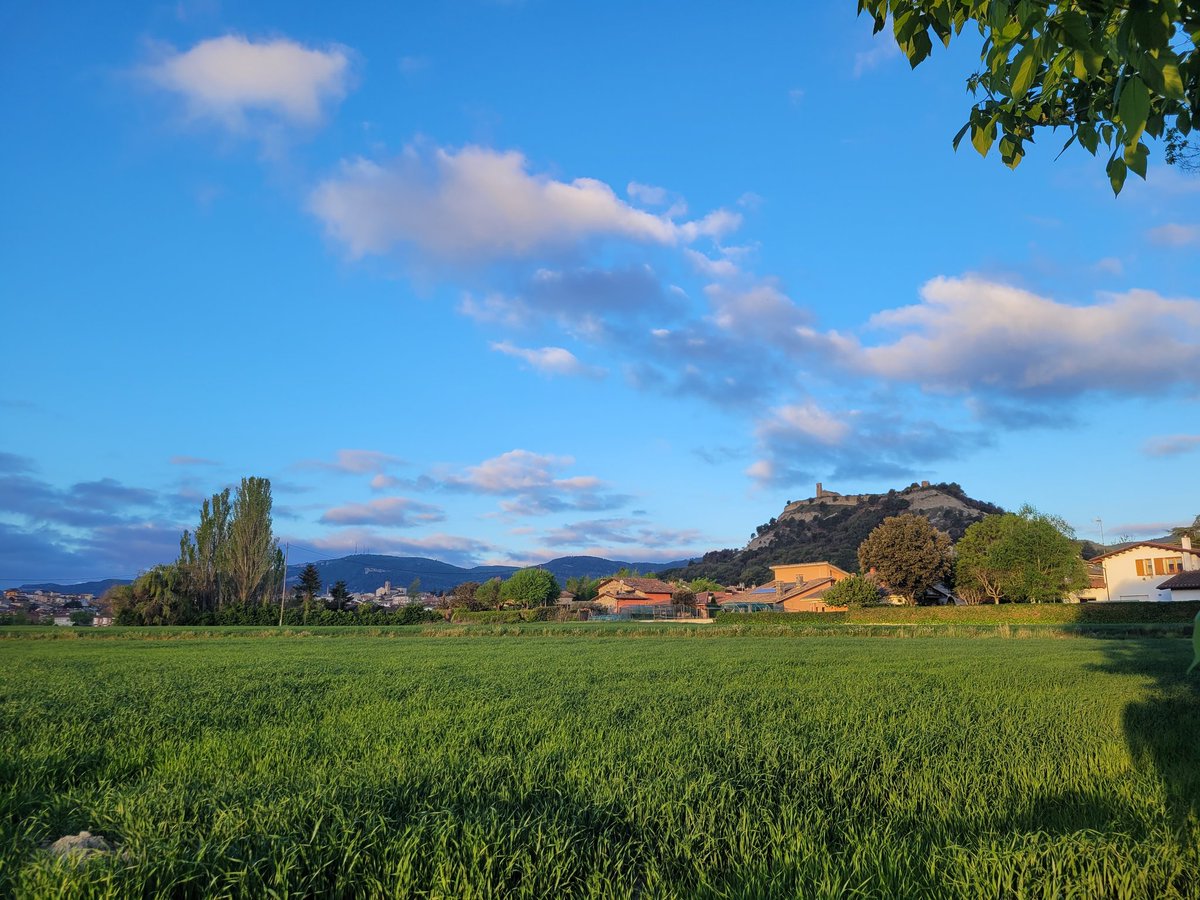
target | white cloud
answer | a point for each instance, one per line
(229, 78)
(625, 532)
(884, 49)
(549, 360)
(758, 312)
(536, 484)
(481, 204)
(398, 512)
(1172, 444)
(805, 421)
(971, 334)
(356, 462)
(709, 267)
(1174, 235)
(513, 472)
(647, 194)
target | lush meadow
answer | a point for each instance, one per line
(609, 765)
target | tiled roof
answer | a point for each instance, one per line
(1157, 545)
(805, 587)
(1182, 581)
(648, 585)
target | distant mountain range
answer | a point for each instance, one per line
(368, 572)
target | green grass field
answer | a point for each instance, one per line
(611, 765)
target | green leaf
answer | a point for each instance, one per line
(958, 137)
(1135, 158)
(1023, 70)
(1172, 81)
(1134, 107)
(1076, 32)
(1089, 138)
(1116, 174)
(983, 136)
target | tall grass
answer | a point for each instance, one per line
(602, 766)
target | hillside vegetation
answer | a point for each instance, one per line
(831, 527)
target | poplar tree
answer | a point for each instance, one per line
(251, 555)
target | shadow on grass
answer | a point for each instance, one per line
(1163, 730)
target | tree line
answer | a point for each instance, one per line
(1027, 556)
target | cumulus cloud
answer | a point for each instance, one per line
(969, 334)
(1171, 445)
(619, 531)
(355, 462)
(709, 267)
(596, 305)
(548, 360)
(805, 421)
(800, 442)
(397, 512)
(1175, 235)
(231, 80)
(535, 484)
(82, 505)
(480, 204)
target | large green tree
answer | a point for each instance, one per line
(252, 555)
(487, 595)
(984, 558)
(202, 554)
(907, 553)
(1050, 564)
(1023, 556)
(530, 587)
(1110, 72)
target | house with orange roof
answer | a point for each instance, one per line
(1142, 572)
(800, 586)
(621, 593)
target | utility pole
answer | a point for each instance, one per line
(1103, 564)
(283, 588)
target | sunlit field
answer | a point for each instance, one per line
(616, 765)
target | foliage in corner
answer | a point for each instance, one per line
(1110, 71)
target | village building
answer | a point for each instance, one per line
(1144, 572)
(800, 586)
(620, 594)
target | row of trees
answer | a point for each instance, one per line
(230, 559)
(1026, 556)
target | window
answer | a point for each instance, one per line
(1145, 567)
(1168, 566)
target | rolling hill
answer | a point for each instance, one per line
(830, 526)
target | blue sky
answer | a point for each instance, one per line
(508, 281)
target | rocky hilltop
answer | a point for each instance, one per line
(830, 526)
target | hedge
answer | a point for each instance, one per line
(506, 616)
(989, 614)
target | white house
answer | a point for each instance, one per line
(1138, 571)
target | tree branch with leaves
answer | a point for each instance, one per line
(1111, 72)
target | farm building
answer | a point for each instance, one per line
(618, 594)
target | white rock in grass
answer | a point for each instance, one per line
(80, 847)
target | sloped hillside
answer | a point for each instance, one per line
(830, 526)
